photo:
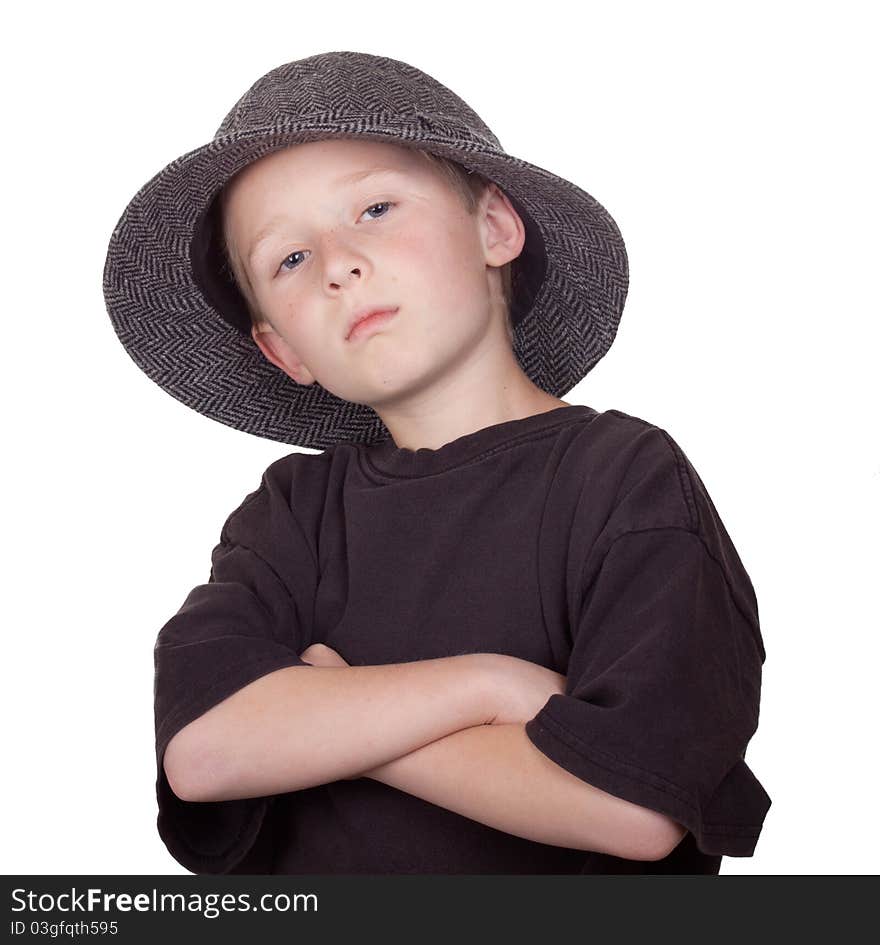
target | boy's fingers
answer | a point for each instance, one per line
(319, 654)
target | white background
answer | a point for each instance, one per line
(733, 144)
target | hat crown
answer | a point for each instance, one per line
(359, 86)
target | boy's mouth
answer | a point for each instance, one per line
(366, 319)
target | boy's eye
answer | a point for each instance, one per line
(287, 259)
(385, 203)
(301, 252)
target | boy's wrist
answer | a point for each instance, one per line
(485, 670)
(478, 678)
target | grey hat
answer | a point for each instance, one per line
(185, 324)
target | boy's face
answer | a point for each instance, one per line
(400, 239)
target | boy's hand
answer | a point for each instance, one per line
(521, 688)
(319, 654)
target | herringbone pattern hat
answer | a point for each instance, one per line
(186, 326)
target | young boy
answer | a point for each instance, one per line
(484, 630)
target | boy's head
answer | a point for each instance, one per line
(317, 232)
(411, 240)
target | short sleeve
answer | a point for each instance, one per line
(252, 617)
(663, 688)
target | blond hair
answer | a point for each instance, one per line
(470, 186)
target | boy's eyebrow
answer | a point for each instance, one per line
(345, 181)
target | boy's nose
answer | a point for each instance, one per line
(352, 276)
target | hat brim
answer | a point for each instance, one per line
(573, 286)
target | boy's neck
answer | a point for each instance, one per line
(433, 428)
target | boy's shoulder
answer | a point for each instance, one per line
(634, 476)
(623, 448)
(652, 486)
(636, 434)
(290, 494)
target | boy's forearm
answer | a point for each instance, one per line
(495, 775)
(306, 725)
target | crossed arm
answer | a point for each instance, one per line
(494, 774)
(438, 742)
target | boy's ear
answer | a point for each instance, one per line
(505, 234)
(279, 352)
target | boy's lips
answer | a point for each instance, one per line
(364, 319)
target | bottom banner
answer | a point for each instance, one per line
(121, 909)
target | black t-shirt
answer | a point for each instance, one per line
(579, 540)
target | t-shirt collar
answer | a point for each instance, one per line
(388, 458)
